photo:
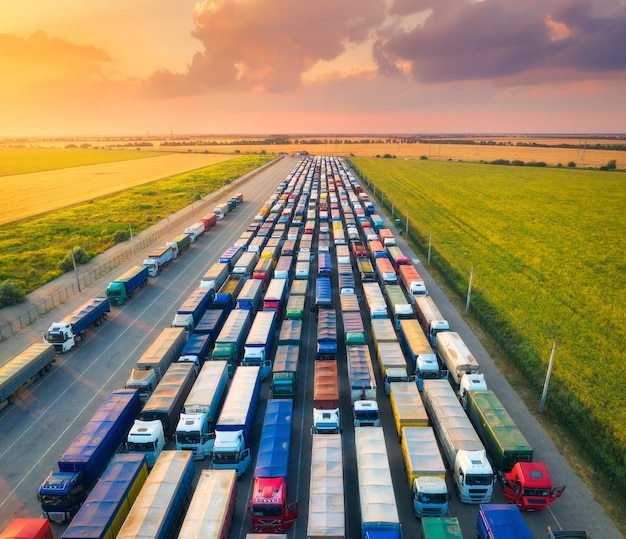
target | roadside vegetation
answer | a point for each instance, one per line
(547, 246)
(35, 251)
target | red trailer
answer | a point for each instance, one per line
(27, 528)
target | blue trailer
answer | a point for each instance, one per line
(211, 323)
(230, 256)
(127, 284)
(250, 295)
(228, 293)
(67, 333)
(269, 508)
(64, 491)
(197, 350)
(323, 292)
(108, 504)
(324, 264)
(258, 345)
(501, 521)
(162, 502)
(191, 311)
(326, 334)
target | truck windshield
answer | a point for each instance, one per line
(267, 510)
(55, 337)
(142, 447)
(536, 492)
(188, 437)
(226, 457)
(440, 498)
(478, 479)
(367, 414)
(55, 500)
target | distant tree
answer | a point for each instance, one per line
(536, 164)
(571, 164)
(611, 165)
(517, 163)
(11, 293)
(423, 158)
(500, 162)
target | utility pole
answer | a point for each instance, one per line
(132, 240)
(547, 381)
(469, 289)
(430, 243)
(75, 269)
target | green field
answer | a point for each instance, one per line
(549, 255)
(38, 160)
(31, 250)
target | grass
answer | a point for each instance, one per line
(32, 249)
(547, 246)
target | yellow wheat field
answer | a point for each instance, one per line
(25, 195)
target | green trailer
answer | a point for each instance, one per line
(441, 528)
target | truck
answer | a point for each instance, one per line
(353, 328)
(196, 350)
(192, 309)
(195, 231)
(274, 298)
(376, 248)
(268, 506)
(231, 449)
(22, 370)
(211, 323)
(529, 486)
(326, 493)
(285, 371)
(179, 244)
(108, 504)
(283, 267)
(146, 438)
(158, 259)
(195, 431)
(397, 257)
(375, 301)
(430, 318)
(212, 506)
(127, 284)
(385, 270)
(497, 521)
(323, 293)
(258, 346)
(406, 404)
(226, 296)
(412, 281)
(392, 364)
(230, 256)
(426, 472)
(295, 307)
(456, 357)
(326, 334)
(229, 343)
(64, 491)
(362, 386)
(221, 210)
(290, 332)
(169, 396)
(27, 528)
(358, 248)
(326, 418)
(347, 284)
(215, 276)
(67, 333)
(160, 354)
(250, 295)
(400, 308)
(349, 303)
(422, 358)
(379, 514)
(246, 263)
(386, 237)
(264, 271)
(162, 502)
(209, 220)
(441, 528)
(472, 474)
(377, 222)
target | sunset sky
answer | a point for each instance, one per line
(76, 67)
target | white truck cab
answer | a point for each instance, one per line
(146, 437)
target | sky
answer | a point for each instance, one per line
(262, 67)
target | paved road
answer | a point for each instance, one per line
(49, 416)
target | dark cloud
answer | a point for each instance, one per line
(496, 39)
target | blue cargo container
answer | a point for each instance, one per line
(197, 349)
(326, 334)
(250, 295)
(193, 308)
(324, 264)
(126, 284)
(211, 323)
(230, 256)
(106, 508)
(500, 521)
(63, 492)
(323, 292)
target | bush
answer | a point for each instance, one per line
(11, 293)
(500, 162)
(120, 236)
(517, 163)
(536, 164)
(80, 257)
(571, 164)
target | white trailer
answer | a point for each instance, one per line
(430, 318)
(376, 495)
(455, 355)
(195, 231)
(471, 472)
(375, 301)
(326, 497)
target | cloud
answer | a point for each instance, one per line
(267, 45)
(499, 39)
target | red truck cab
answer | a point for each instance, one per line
(529, 486)
(269, 510)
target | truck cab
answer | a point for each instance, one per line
(429, 495)
(61, 335)
(529, 486)
(326, 421)
(394, 374)
(365, 413)
(470, 382)
(230, 451)
(61, 495)
(268, 506)
(193, 434)
(144, 380)
(148, 438)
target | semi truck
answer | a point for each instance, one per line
(231, 449)
(263, 271)
(377, 500)
(274, 298)
(67, 333)
(431, 320)
(283, 267)
(169, 396)
(64, 491)
(326, 334)
(258, 346)
(397, 257)
(285, 371)
(290, 332)
(323, 293)
(230, 256)
(347, 284)
(212, 506)
(386, 237)
(496, 521)
(215, 276)
(326, 492)
(246, 263)
(295, 307)
(146, 438)
(125, 286)
(426, 472)
(108, 504)
(472, 473)
(441, 528)
(250, 295)
(421, 356)
(392, 364)
(375, 300)
(268, 507)
(326, 416)
(211, 323)
(385, 270)
(158, 259)
(353, 328)
(196, 350)
(406, 404)
(162, 502)
(179, 244)
(195, 231)
(192, 309)
(412, 281)
(221, 210)
(229, 343)
(27, 528)
(209, 220)
(195, 431)
(529, 486)
(456, 357)
(366, 269)
(362, 386)
(226, 296)
(22, 370)
(400, 308)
